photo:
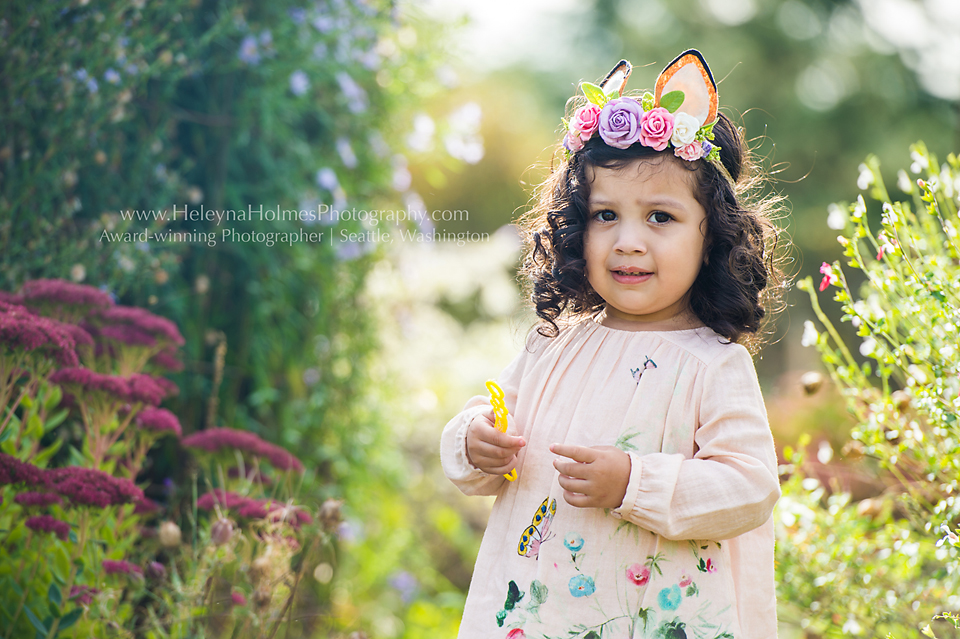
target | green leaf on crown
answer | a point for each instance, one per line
(672, 101)
(648, 101)
(594, 93)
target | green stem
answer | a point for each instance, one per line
(23, 599)
(81, 541)
(829, 325)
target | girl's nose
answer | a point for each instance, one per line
(630, 239)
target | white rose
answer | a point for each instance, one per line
(685, 128)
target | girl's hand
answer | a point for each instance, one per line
(490, 450)
(596, 478)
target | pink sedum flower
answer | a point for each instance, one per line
(585, 121)
(144, 323)
(112, 567)
(48, 294)
(46, 523)
(38, 499)
(238, 599)
(656, 128)
(159, 420)
(215, 439)
(83, 594)
(14, 471)
(92, 487)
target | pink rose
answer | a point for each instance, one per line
(572, 142)
(689, 152)
(516, 633)
(656, 127)
(585, 121)
(638, 574)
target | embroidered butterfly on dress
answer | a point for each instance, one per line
(538, 531)
(638, 372)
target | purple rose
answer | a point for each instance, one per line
(620, 122)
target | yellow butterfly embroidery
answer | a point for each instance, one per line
(538, 531)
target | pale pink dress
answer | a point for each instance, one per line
(689, 552)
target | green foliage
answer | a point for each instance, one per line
(888, 566)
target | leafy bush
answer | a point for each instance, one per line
(886, 565)
(84, 550)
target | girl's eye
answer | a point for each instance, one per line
(659, 217)
(605, 215)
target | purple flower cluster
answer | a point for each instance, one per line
(225, 498)
(137, 388)
(159, 420)
(91, 487)
(80, 378)
(250, 508)
(14, 471)
(145, 506)
(167, 359)
(138, 325)
(38, 499)
(215, 439)
(83, 594)
(46, 523)
(63, 293)
(22, 330)
(112, 567)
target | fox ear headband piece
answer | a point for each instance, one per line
(681, 113)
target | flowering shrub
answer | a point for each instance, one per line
(83, 536)
(890, 563)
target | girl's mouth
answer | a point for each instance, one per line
(631, 276)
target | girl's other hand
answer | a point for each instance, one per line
(490, 450)
(597, 477)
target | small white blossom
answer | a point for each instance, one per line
(866, 179)
(810, 335)
(904, 183)
(868, 346)
(836, 217)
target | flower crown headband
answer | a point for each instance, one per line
(681, 113)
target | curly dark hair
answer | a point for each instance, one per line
(735, 288)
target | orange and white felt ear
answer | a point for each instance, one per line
(616, 80)
(689, 73)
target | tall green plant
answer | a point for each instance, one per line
(890, 565)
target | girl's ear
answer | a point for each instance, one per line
(690, 74)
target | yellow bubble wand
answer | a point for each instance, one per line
(500, 412)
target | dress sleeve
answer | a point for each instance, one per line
(730, 485)
(453, 441)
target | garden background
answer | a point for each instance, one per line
(352, 353)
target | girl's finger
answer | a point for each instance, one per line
(572, 469)
(579, 501)
(583, 454)
(574, 484)
(491, 453)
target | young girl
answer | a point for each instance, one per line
(646, 470)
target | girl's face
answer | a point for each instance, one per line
(645, 239)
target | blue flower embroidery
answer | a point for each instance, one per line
(669, 598)
(573, 541)
(582, 586)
